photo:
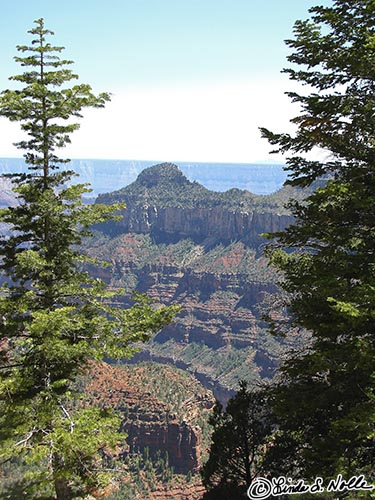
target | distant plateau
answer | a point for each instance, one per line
(109, 175)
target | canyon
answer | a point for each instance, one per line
(181, 243)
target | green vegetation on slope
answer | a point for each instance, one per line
(54, 316)
(166, 186)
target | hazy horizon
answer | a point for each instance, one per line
(105, 175)
(189, 79)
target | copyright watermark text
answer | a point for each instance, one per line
(263, 488)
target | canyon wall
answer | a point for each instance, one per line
(152, 417)
(170, 224)
(180, 243)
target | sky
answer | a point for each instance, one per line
(190, 80)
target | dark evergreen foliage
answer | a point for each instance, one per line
(240, 435)
(325, 401)
(54, 316)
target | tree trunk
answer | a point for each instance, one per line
(62, 489)
(61, 483)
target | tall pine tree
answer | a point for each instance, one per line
(326, 401)
(55, 318)
(240, 435)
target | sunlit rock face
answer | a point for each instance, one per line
(179, 242)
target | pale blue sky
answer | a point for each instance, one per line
(191, 79)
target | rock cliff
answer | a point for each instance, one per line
(161, 409)
(181, 243)
(170, 224)
(162, 202)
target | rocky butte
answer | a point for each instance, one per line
(162, 202)
(182, 243)
(163, 409)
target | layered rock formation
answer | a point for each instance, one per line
(160, 407)
(165, 204)
(180, 441)
(181, 243)
(170, 224)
